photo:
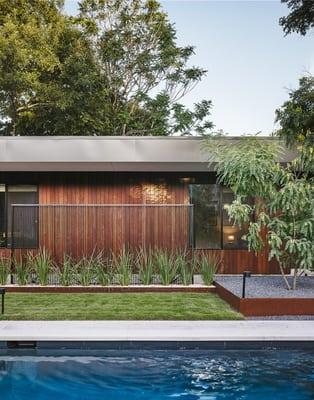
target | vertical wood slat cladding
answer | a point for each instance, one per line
(56, 225)
(128, 188)
(79, 230)
(237, 261)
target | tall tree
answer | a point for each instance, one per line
(301, 17)
(283, 214)
(145, 73)
(296, 115)
(114, 70)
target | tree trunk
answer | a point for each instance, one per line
(284, 277)
(295, 276)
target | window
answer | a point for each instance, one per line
(232, 234)
(207, 216)
(23, 234)
(212, 227)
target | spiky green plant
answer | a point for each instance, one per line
(208, 267)
(104, 273)
(122, 267)
(166, 266)
(4, 270)
(185, 268)
(23, 272)
(144, 263)
(42, 264)
(66, 271)
(87, 267)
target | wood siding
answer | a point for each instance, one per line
(112, 227)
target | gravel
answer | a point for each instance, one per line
(268, 286)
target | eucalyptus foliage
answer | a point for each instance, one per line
(282, 216)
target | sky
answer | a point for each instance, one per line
(251, 65)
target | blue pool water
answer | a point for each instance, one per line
(156, 375)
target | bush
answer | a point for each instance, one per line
(208, 267)
(122, 267)
(42, 265)
(166, 266)
(145, 265)
(4, 270)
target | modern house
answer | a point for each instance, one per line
(76, 194)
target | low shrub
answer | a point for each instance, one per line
(208, 266)
(166, 266)
(5, 264)
(185, 268)
(144, 263)
(122, 267)
(23, 272)
(42, 265)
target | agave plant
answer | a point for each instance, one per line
(145, 265)
(23, 272)
(166, 266)
(122, 267)
(208, 266)
(42, 264)
(184, 268)
(4, 270)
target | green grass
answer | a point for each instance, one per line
(117, 306)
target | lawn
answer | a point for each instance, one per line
(117, 306)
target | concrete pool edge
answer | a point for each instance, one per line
(163, 334)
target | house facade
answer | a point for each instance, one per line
(75, 195)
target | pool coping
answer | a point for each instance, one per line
(157, 330)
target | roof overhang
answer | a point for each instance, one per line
(106, 153)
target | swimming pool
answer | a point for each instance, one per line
(188, 375)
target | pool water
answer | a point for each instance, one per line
(124, 375)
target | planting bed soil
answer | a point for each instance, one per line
(268, 286)
(267, 295)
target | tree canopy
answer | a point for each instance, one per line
(301, 17)
(115, 69)
(282, 216)
(296, 115)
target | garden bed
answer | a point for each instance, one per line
(267, 295)
(111, 289)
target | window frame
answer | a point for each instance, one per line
(6, 214)
(220, 218)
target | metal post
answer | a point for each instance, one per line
(12, 245)
(2, 292)
(246, 274)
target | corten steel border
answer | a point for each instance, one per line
(262, 307)
(110, 289)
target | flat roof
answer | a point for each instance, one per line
(107, 153)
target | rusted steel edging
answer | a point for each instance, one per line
(110, 289)
(258, 307)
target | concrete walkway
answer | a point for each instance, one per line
(157, 330)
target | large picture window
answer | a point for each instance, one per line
(16, 235)
(212, 227)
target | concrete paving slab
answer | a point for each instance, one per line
(157, 331)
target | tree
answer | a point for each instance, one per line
(49, 83)
(283, 213)
(137, 55)
(301, 17)
(113, 70)
(296, 116)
